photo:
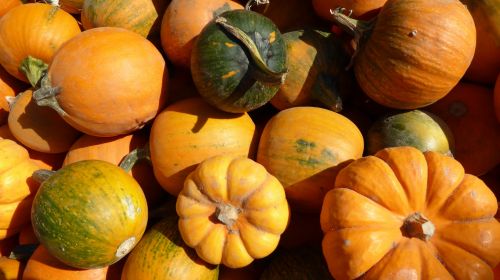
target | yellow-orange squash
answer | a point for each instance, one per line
(10, 269)
(404, 214)
(9, 87)
(7, 5)
(232, 211)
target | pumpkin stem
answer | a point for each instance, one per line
(34, 69)
(46, 95)
(250, 3)
(227, 214)
(325, 91)
(418, 226)
(134, 156)
(41, 175)
(269, 75)
(11, 100)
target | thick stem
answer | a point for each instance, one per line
(273, 77)
(46, 95)
(250, 3)
(227, 214)
(418, 226)
(325, 91)
(133, 157)
(34, 69)
(42, 174)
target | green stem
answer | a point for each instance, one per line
(46, 95)
(250, 3)
(274, 77)
(133, 157)
(34, 69)
(42, 174)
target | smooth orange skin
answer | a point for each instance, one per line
(33, 29)
(496, 98)
(360, 8)
(183, 21)
(10, 269)
(108, 90)
(363, 214)
(7, 5)
(9, 87)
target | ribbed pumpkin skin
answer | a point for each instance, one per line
(162, 254)
(34, 29)
(304, 157)
(72, 6)
(394, 68)
(365, 219)
(86, 211)
(222, 67)
(7, 5)
(124, 14)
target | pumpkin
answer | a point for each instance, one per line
(72, 6)
(238, 61)
(417, 128)
(7, 245)
(161, 254)
(113, 150)
(392, 62)
(190, 131)
(468, 111)
(43, 266)
(496, 97)
(89, 214)
(304, 158)
(34, 126)
(358, 8)
(316, 61)
(406, 214)
(183, 21)
(124, 13)
(27, 235)
(9, 87)
(34, 30)
(7, 5)
(107, 91)
(10, 269)
(232, 211)
(17, 187)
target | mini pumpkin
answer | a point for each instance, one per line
(232, 211)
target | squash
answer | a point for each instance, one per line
(17, 188)
(27, 235)
(34, 30)
(316, 62)
(7, 245)
(72, 6)
(469, 113)
(9, 87)
(89, 214)
(359, 8)
(124, 14)
(496, 97)
(10, 269)
(162, 254)
(34, 126)
(417, 128)
(414, 52)
(107, 91)
(43, 266)
(406, 214)
(304, 147)
(183, 21)
(232, 211)
(7, 5)
(190, 131)
(238, 61)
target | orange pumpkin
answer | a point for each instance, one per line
(404, 214)
(7, 5)
(72, 6)
(182, 23)
(304, 147)
(107, 91)
(9, 87)
(10, 269)
(496, 98)
(190, 131)
(469, 113)
(232, 211)
(36, 30)
(359, 8)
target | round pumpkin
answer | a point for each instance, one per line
(415, 51)
(496, 97)
(420, 129)
(238, 62)
(403, 213)
(34, 126)
(72, 6)
(89, 214)
(190, 131)
(9, 87)
(357, 8)
(182, 23)
(109, 90)
(7, 5)
(36, 30)
(162, 254)
(124, 14)
(316, 61)
(304, 147)
(43, 266)
(232, 211)
(10, 269)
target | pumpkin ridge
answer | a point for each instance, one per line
(250, 194)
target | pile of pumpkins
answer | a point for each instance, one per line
(219, 139)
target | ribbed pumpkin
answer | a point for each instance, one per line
(303, 147)
(36, 30)
(358, 8)
(34, 126)
(124, 14)
(10, 269)
(17, 188)
(190, 131)
(7, 5)
(89, 214)
(103, 90)
(182, 23)
(232, 211)
(43, 266)
(316, 61)
(417, 128)
(404, 214)
(238, 62)
(72, 6)
(162, 254)
(415, 51)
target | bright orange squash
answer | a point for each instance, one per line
(7, 5)
(10, 269)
